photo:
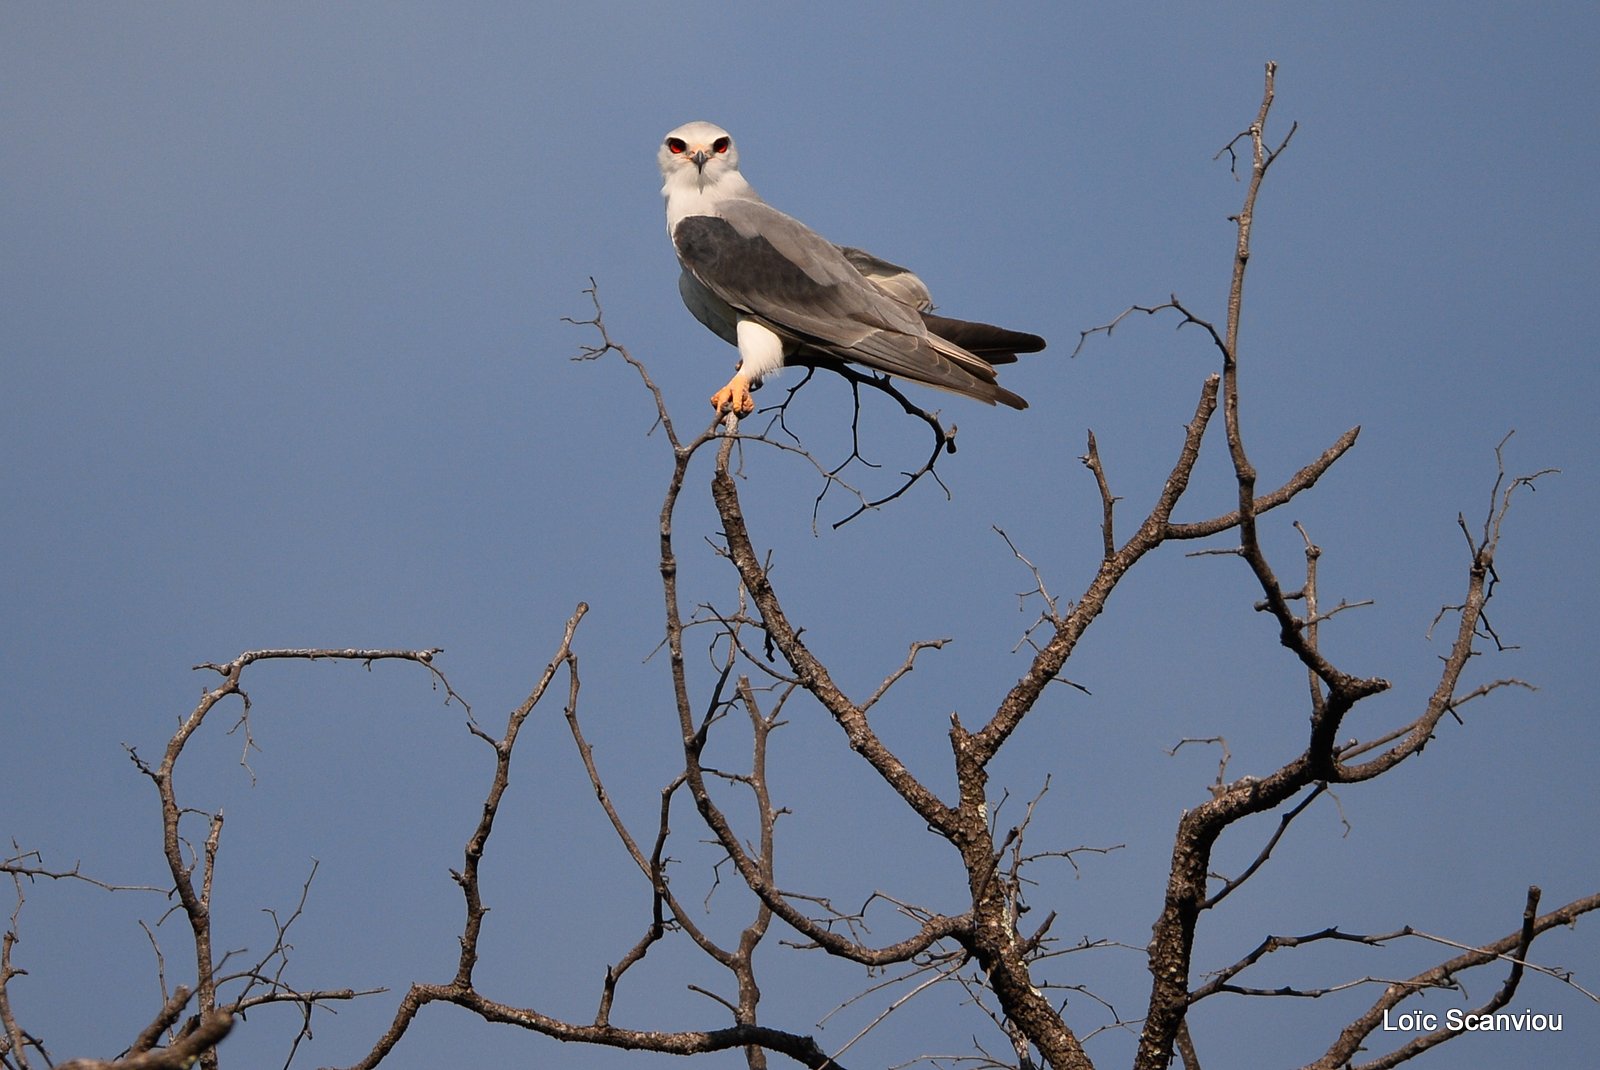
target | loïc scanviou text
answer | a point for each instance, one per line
(1458, 1020)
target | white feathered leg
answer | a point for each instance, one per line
(760, 355)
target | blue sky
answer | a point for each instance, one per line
(284, 365)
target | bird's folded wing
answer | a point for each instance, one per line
(901, 284)
(769, 266)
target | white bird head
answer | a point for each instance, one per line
(700, 155)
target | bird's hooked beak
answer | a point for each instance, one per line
(700, 156)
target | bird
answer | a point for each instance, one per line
(766, 283)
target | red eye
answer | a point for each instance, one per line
(720, 145)
(676, 146)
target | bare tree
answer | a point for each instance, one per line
(762, 668)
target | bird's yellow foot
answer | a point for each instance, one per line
(735, 397)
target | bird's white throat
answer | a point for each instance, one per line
(692, 192)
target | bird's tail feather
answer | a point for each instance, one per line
(996, 345)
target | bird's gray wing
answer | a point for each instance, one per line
(996, 345)
(769, 266)
(898, 282)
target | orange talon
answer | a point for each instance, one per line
(735, 397)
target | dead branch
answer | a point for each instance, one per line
(1229, 886)
(196, 1044)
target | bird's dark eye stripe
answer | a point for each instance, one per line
(675, 145)
(720, 145)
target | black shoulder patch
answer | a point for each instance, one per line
(739, 269)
